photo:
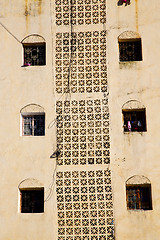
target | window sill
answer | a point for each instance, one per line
(130, 133)
(41, 213)
(28, 66)
(139, 210)
(31, 136)
(130, 65)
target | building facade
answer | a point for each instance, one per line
(79, 121)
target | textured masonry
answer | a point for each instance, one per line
(83, 132)
(85, 209)
(81, 64)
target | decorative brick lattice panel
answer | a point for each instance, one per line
(84, 202)
(79, 12)
(81, 62)
(83, 132)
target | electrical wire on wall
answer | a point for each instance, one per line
(10, 32)
(67, 95)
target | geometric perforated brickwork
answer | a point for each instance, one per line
(84, 202)
(83, 132)
(80, 12)
(81, 64)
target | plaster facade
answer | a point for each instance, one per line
(85, 158)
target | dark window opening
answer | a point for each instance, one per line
(34, 54)
(134, 120)
(32, 201)
(139, 197)
(120, 2)
(130, 50)
(34, 125)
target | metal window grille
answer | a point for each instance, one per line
(34, 54)
(32, 201)
(134, 120)
(139, 197)
(34, 125)
(130, 51)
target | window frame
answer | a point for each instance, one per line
(32, 115)
(32, 45)
(32, 206)
(142, 126)
(138, 192)
(138, 56)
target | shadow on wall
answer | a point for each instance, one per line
(120, 2)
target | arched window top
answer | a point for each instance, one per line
(130, 47)
(31, 196)
(128, 35)
(34, 38)
(134, 116)
(33, 120)
(30, 183)
(34, 47)
(133, 104)
(138, 193)
(32, 108)
(137, 180)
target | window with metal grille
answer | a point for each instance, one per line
(32, 200)
(139, 197)
(34, 54)
(134, 120)
(130, 50)
(33, 125)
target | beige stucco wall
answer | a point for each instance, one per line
(135, 153)
(29, 157)
(25, 157)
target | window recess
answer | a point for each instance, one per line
(32, 200)
(34, 54)
(134, 120)
(33, 125)
(139, 197)
(130, 50)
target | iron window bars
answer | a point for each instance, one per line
(32, 201)
(34, 54)
(139, 197)
(134, 120)
(34, 125)
(130, 50)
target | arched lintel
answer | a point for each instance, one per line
(138, 180)
(32, 108)
(33, 38)
(133, 104)
(30, 183)
(129, 35)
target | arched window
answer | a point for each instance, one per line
(138, 193)
(134, 117)
(130, 47)
(31, 196)
(34, 48)
(32, 120)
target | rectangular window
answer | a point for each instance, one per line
(134, 120)
(139, 197)
(34, 54)
(33, 125)
(130, 50)
(32, 201)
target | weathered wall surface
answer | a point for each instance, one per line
(81, 74)
(24, 157)
(134, 153)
